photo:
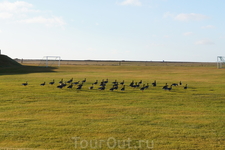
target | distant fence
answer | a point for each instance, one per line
(119, 63)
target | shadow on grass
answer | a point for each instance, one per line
(25, 70)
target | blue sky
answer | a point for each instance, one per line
(147, 30)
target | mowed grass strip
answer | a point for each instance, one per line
(45, 117)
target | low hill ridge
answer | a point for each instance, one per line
(6, 61)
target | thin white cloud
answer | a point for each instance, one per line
(18, 6)
(168, 14)
(5, 15)
(131, 2)
(204, 42)
(208, 27)
(190, 17)
(58, 21)
(188, 33)
(23, 12)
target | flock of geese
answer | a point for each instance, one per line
(114, 86)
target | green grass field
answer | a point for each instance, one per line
(45, 117)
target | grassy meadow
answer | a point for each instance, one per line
(46, 117)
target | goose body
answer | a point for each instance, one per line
(53, 81)
(42, 84)
(170, 88)
(91, 87)
(123, 88)
(25, 84)
(165, 87)
(154, 83)
(70, 86)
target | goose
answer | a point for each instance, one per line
(91, 87)
(115, 86)
(53, 81)
(71, 80)
(96, 82)
(154, 83)
(185, 87)
(114, 82)
(70, 86)
(140, 82)
(123, 88)
(170, 88)
(102, 83)
(106, 81)
(102, 88)
(165, 87)
(25, 84)
(174, 84)
(63, 84)
(79, 86)
(84, 80)
(42, 84)
(147, 86)
(132, 83)
(76, 82)
(122, 82)
(60, 86)
(143, 88)
(138, 85)
(112, 88)
(180, 83)
(135, 85)
(61, 81)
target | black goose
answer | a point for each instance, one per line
(84, 80)
(61, 81)
(169, 88)
(25, 84)
(185, 87)
(106, 81)
(102, 83)
(115, 86)
(53, 81)
(79, 86)
(140, 82)
(71, 80)
(42, 84)
(146, 86)
(135, 85)
(60, 86)
(123, 88)
(112, 88)
(115, 82)
(102, 88)
(76, 82)
(96, 82)
(142, 88)
(174, 84)
(91, 87)
(122, 82)
(70, 86)
(132, 83)
(154, 83)
(165, 87)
